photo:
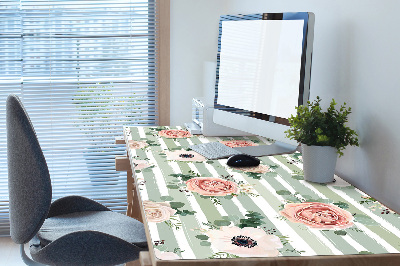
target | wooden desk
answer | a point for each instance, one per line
(200, 211)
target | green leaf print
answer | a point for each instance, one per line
(340, 232)
(254, 219)
(222, 222)
(205, 243)
(176, 205)
(256, 176)
(298, 177)
(202, 237)
(283, 192)
(223, 255)
(365, 252)
(341, 204)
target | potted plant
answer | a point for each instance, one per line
(323, 135)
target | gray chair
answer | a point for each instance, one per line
(70, 231)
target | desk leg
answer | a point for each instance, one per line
(129, 193)
(132, 198)
(133, 210)
(144, 260)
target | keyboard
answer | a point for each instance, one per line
(214, 150)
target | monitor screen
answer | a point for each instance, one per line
(263, 71)
(260, 63)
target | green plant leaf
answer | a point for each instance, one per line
(312, 126)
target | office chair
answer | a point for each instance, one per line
(70, 231)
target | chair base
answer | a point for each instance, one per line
(26, 259)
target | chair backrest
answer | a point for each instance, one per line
(29, 183)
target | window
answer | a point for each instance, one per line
(83, 69)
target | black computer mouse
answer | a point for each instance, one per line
(242, 160)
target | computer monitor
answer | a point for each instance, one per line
(263, 73)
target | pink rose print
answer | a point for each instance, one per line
(133, 144)
(245, 242)
(211, 186)
(260, 169)
(166, 255)
(318, 215)
(157, 212)
(238, 143)
(174, 133)
(140, 164)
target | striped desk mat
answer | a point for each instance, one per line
(199, 209)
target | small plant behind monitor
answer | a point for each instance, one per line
(315, 128)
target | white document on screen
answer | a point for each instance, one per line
(260, 63)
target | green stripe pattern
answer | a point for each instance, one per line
(189, 230)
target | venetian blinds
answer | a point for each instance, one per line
(83, 69)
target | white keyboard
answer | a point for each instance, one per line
(214, 150)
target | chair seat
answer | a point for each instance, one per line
(108, 222)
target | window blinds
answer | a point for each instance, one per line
(83, 69)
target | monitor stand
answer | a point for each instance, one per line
(266, 150)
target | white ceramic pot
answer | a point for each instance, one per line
(319, 163)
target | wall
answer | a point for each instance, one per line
(194, 41)
(355, 60)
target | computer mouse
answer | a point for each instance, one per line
(242, 160)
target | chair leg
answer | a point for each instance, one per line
(26, 259)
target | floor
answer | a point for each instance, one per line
(9, 253)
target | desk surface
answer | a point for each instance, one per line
(201, 209)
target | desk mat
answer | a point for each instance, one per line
(203, 209)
